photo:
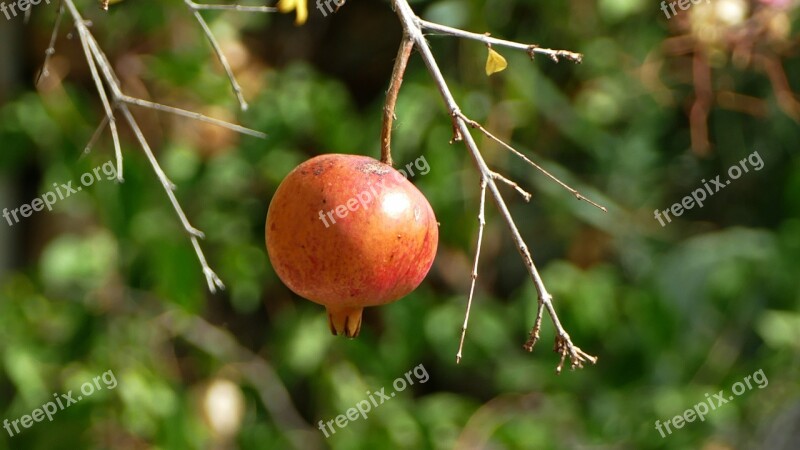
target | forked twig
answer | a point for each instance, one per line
(101, 91)
(108, 88)
(522, 156)
(413, 27)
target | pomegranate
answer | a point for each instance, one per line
(347, 232)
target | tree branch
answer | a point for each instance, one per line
(237, 8)
(109, 119)
(413, 26)
(191, 115)
(530, 49)
(491, 136)
(400, 63)
(195, 8)
(104, 77)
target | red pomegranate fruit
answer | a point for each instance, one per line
(347, 232)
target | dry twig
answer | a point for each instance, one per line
(400, 63)
(114, 100)
(413, 28)
(195, 8)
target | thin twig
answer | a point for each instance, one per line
(237, 90)
(191, 115)
(400, 63)
(525, 194)
(97, 59)
(51, 48)
(106, 67)
(237, 8)
(481, 225)
(574, 192)
(120, 97)
(530, 49)
(95, 136)
(101, 91)
(412, 27)
(211, 278)
(169, 186)
(537, 327)
(101, 60)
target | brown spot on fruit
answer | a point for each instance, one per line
(376, 167)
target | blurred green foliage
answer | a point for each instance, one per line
(109, 281)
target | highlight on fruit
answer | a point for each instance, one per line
(365, 198)
(347, 232)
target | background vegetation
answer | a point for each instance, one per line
(108, 280)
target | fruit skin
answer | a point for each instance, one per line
(371, 252)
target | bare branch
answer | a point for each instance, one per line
(525, 194)
(537, 327)
(237, 8)
(481, 225)
(195, 9)
(212, 279)
(412, 26)
(101, 91)
(51, 48)
(191, 115)
(530, 49)
(100, 66)
(574, 192)
(400, 63)
(95, 136)
(113, 82)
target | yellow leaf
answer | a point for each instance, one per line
(495, 63)
(104, 3)
(299, 6)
